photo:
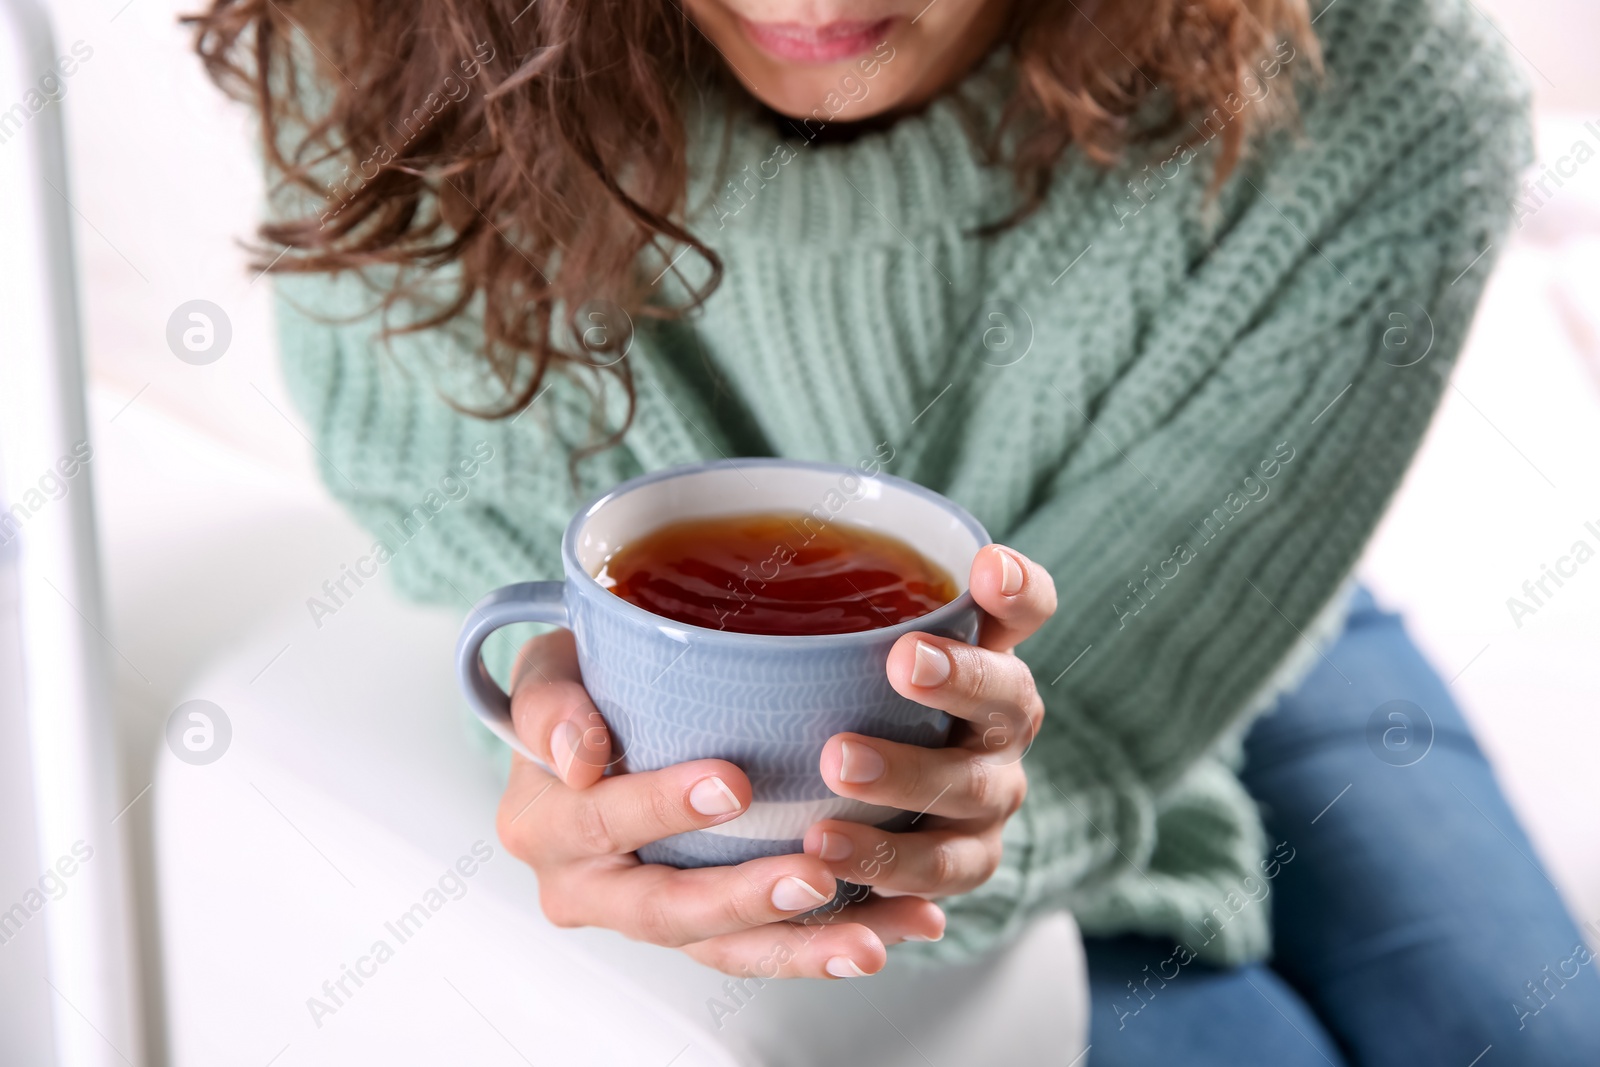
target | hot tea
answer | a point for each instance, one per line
(776, 573)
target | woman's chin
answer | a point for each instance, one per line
(813, 111)
(828, 95)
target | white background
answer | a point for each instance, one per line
(165, 184)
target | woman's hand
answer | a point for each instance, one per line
(967, 790)
(579, 830)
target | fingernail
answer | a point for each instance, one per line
(564, 740)
(844, 967)
(858, 763)
(711, 796)
(921, 937)
(1010, 573)
(931, 667)
(792, 894)
(836, 848)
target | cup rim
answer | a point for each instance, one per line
(944, 615)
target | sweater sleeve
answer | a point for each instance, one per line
(457, 504)
(1310, 343)
(430, 483)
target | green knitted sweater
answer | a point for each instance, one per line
(1192, 411)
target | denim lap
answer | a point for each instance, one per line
(1415, 925)
(1204, 1016)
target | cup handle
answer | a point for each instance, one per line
(522, 602)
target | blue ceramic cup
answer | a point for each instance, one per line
(672, 692)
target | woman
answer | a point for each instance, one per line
(1166, 293)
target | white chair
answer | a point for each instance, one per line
(352, 784)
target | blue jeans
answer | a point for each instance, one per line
(1414, 924)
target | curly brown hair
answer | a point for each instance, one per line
(545, 187)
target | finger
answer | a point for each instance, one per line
(667, 906)
(935, 862)
(1016, 593)
(971, 683)
(621, 813)
(896, 919)
(552, 714)
(844, 943)
(518, 820)
(954, 782)
(788, 950)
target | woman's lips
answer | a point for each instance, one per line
(799, 43)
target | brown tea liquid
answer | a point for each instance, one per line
(776, 573)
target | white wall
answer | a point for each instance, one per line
(165, 188)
